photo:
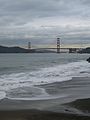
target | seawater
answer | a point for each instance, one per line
(22, 76)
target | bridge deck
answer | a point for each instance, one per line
(56, 48)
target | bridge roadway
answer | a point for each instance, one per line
(56, 48)
(70, 50)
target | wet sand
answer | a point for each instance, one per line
(39, 115)
(74, 107)
(76, 110)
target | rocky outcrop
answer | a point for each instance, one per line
(88, 59)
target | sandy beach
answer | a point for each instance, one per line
(58, 92)
(76, 110)
(75, 107)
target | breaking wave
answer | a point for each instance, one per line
(12, 83)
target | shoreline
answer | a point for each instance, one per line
(73, 107)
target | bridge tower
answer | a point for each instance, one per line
(29, 45)
(58, 45)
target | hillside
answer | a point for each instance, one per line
(4, 49)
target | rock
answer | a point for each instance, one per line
(88, 59)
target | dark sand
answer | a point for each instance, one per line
(82, 105)
(38, 115)
(74, 107)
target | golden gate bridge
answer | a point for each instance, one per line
(58, 47)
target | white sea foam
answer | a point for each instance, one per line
(2, 95)
(58, 73)
(48, 97)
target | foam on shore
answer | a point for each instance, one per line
(60, 73)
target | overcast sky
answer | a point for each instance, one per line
(42, 21)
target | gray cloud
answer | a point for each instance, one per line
(42, 21)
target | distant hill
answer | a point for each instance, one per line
(86, 50)
(4, 49)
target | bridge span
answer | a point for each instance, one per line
(62, 49)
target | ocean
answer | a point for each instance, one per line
(44, 76)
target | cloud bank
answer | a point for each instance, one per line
(42, 21)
